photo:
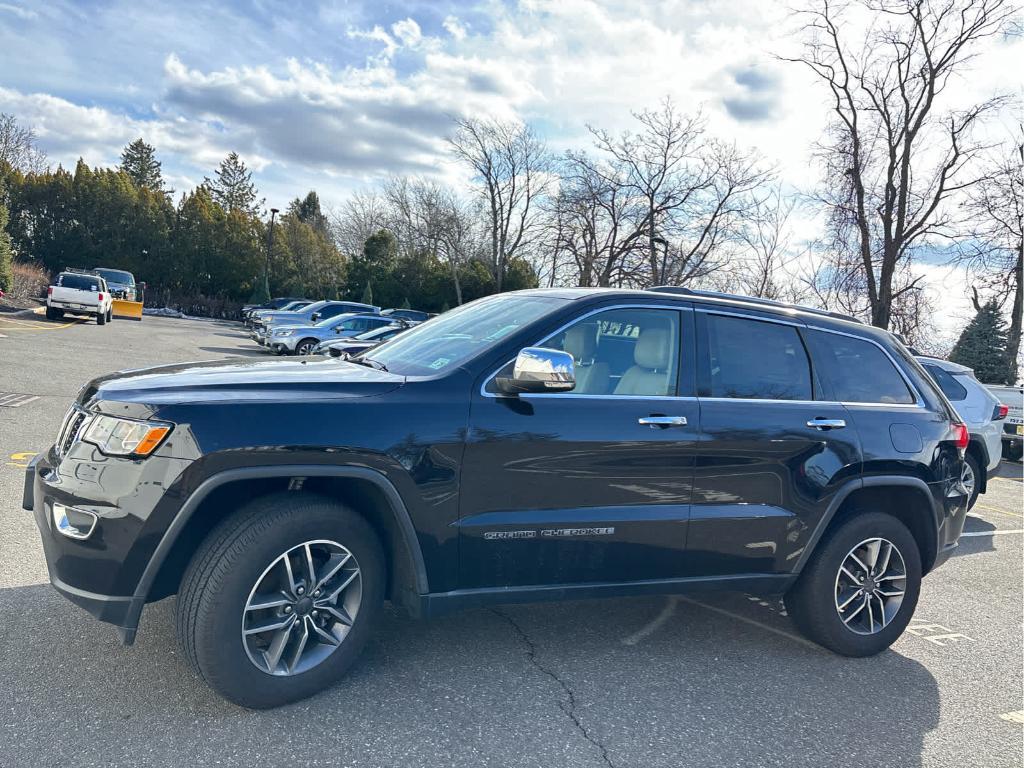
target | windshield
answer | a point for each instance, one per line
(459, 335)
(311, 308)
(292, 305)
(331, 321)
(117, 276)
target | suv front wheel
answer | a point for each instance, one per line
(281, 597)
(858, 592)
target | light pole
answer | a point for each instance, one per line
(270, 248)
(664, 257)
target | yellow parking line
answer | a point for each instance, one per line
(20, 325)
(997, 511)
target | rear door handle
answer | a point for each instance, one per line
(663, 421)
(826, 423)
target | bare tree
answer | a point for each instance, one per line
(892, 156)
(361, 215)
(767, 265)
(428, 219)
(993, 248)
(18, 149)
(511, 164)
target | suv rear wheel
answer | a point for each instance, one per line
(305, 347)
(281, 597)
(858, 592)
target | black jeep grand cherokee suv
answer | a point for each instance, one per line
(540, 445)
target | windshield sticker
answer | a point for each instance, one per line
(440, 363)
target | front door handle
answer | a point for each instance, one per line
(824, 424)
(663, 421)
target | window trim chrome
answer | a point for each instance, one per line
(918, 403)
(596, 310)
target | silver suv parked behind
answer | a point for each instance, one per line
(302, 339)
(982, 412)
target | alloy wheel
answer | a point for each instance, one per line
(870, 586)
(305, 348)
(967, 480)
(301, 608)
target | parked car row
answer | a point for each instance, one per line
(291, 326)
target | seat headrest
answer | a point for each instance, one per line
(652, 349)
(581, 341)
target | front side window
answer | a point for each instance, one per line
(755, 360)
(859, 371)
(623, 352)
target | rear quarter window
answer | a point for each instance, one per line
(857, 370)
(947, 382)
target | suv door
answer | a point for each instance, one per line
(575, 487)
(773, 450)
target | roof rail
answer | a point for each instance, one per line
(681, 291)
(80, 271)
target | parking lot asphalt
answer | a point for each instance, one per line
(663, 681)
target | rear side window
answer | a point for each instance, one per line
(751, 359)
(859, 371)
(80, 282)
(950, 387)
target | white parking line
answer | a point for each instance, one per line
(989, 533)
(654, 624)
(782, 632)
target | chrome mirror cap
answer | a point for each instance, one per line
(539, 369)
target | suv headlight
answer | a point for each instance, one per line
(125, 437)
(283, 333)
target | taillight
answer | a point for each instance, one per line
(49, 290)
(101, 297)
(1000, 411)
(961, 435)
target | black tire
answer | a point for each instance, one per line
(1013, 451)
(223, 571)
(110, 314)
(305, 347)
(976, 469)
(54, 314)
(101, 318)
(811, 601)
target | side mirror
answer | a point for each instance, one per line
(315, 316)
(538, 369)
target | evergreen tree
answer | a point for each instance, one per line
(308, 211)
(6, 257)
(406, 304)
(367, 297)
(139, 161)
(982, 346)
(232, 189)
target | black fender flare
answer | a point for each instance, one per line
(874, 481)
(982, 479)
(405, 526)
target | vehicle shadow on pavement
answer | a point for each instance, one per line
(644, 682)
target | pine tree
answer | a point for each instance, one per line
(139, 161)
(232, 188)
(308, 211)
(6, 258)
(982, 346)
(367, 294)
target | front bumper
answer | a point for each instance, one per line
(100, 574)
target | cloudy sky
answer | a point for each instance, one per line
(333, 95)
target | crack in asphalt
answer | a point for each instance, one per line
(569, 707)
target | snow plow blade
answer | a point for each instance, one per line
(130, 310)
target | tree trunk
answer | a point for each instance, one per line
(1014, 333)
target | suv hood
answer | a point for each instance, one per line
(241, 380)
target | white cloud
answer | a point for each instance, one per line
(454, 28)
(17, 10)
(407, 31)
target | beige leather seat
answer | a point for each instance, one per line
(653, 355)
(592, 377)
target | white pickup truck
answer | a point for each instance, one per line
(79, 293)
